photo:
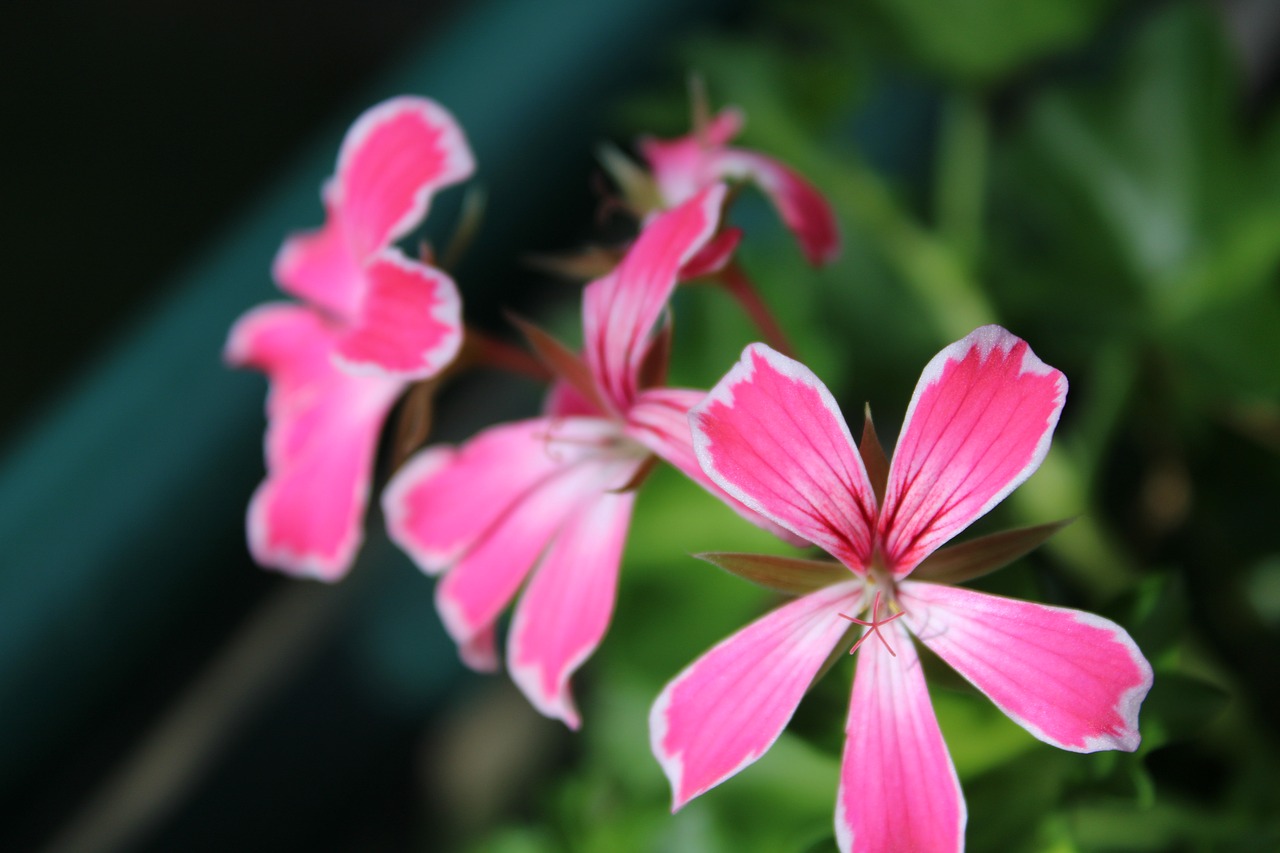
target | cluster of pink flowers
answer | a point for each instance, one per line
(537, 511)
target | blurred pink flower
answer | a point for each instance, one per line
(979, 424)
(683, 166)
(373, 321)
(551, 497)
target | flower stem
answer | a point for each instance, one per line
(483, 350)
(739, 286)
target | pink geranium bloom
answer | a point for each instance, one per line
(979, 424)
(687, 164)
(682, 166)
(375, 320)
(550, 498)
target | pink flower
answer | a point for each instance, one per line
(979, 424)
(374, 321)
(683, 166)
(550, 498)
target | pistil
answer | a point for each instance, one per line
(873, 627)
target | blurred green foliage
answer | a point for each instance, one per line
(1090, 175)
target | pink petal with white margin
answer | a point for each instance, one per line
(979, 424)
(898, 787)
(619, 311)
(289, 342)
(478, 588)
(728, 707)
(306, 516)
(564, 611)
(682, 166)
(409, 324)
(803, 209)
(660, 421)
(319, 267)
(445, 499)
(393, 159)
(771, 435)
(1072, 679)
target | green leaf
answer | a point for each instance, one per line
(1179, 707)
(1151, 179)
(1157, 618)
(1008, 804)
(979, 735)
(980, 41)
(1230, 351)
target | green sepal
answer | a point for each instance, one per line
(981, 556)
(874, 459)
(639, 191)
(789, 575)
(560, 360)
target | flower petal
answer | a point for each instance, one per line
(898, 787)
(445, 499)
(318, 266)
(714, 256)
(410, 321)
(392, 161)
(1072, 679)
(564, 400)
(660, 421)
(723, 127)
(620, 310)
(683, 165)
(480, 652)
(306, 517)
(803, 209)
(289, 342)
(979, 424)
(771, 435)
(479, 586)
(564, 611)
(727, 708)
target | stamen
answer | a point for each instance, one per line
(555, 443)
(873, 625)
(548, 439)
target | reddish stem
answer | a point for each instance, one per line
(484, 350)
(736, 283)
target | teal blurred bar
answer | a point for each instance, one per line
(120, 504)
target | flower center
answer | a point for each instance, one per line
(572, 440)
(873, 626)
